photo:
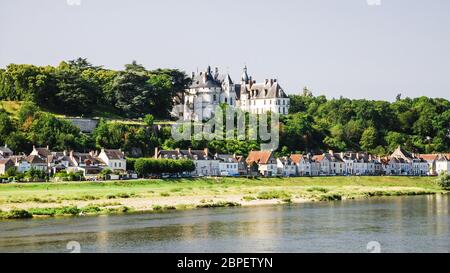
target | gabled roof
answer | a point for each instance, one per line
(114, 154)
(6, 150)
(318, 157)
(296, 158)
(35, 159)
(187, 154)
(227, 158)
(266, 90)
(260, 157)
(43, 151)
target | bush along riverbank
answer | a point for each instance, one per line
(156, 196)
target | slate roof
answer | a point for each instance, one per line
(187, 154)
(6, 150)
(35, 159)
(114, 154)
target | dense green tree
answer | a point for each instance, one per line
(369, 139)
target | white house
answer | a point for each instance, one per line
(114, 159)
(443, 164)
(228, 165)
(266, 162)
(404, 163)
(330, 164)
(286, 167)
(37, 162)
(306, 165)
(431, 160)
(21, 163)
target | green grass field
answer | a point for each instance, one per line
(314, 187)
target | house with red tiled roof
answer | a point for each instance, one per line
(431, 160)
(306, 165)
(286, 167)
(330, 163)
(267, 164)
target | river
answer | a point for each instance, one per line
(391, 224)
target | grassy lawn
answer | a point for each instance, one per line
(208, 187)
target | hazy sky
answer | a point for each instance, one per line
(335, 47)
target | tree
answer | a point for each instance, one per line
(369, 139)
(133, 92)
(6, 125)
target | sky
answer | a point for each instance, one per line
(350, 48)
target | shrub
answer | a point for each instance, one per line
(273, 195)
(444, 181)
(319, 189)
(148, 166)
(16, 214)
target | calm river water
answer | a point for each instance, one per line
(398, 224)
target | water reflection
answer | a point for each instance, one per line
(411, 224)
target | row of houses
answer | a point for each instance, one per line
(264, 163)
(51, 162)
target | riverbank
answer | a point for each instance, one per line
(75, 198)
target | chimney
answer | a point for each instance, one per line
(92, 153)
(65, 152)
(342, 154)
(206, 150)
(331, 152)
(156, 152)
(71, 153)
(47, 148)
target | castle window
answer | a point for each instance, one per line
(214, 98)
(225, 100)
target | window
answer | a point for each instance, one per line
(214, 97)
(225, 100)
